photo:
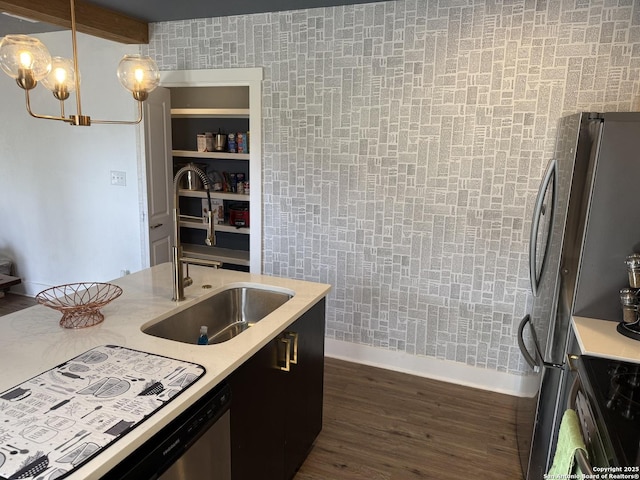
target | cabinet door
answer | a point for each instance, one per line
(257, 435)
(304, 388)
(159, 175)
(275, 414)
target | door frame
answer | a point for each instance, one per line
(224, 77)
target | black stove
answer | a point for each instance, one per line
(613, 388)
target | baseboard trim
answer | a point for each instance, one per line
(29, 289)
(444, 370)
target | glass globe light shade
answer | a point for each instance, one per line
(139, 74)
(24, 58)
(62, 78)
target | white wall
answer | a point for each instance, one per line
(61, 220)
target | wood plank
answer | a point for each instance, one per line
(384, 425)
(91, 19)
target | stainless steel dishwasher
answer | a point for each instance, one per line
(194, 446)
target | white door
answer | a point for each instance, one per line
(159, 175)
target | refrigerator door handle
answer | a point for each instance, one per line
(523, 348)
(535, 223)
(531, 361)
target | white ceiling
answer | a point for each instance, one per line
(167, 10)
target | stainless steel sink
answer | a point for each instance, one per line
(226, 315)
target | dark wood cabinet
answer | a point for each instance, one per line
(276, 408)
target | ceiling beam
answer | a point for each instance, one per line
(90, 19)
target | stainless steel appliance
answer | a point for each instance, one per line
(194, 446)
(605, 394)
(611, 390)
(584, 226)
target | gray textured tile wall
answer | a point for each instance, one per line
(403, 146)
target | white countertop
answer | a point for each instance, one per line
(31, 341)
(599, 338)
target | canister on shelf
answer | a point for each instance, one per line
(629, 301)
(633, 269)
(202, 142)
(208, 137)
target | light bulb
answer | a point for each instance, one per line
(138, 74)
(62, 79)
(24, 58)
(60, 75)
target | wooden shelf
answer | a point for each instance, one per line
(218, 155)
(225, 227)
(210, 112)
(224, 255)
(222, 195)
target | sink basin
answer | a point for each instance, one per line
(226, 315)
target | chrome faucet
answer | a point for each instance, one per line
(180, 280)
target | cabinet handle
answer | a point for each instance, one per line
(294, 336)
(287, 354)
(157, 225)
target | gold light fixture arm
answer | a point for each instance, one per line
(45, 117)
(123, 122)
(74, 46)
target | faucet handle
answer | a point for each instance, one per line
(187, 281)
(211, 234)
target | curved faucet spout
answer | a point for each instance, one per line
(177, 257)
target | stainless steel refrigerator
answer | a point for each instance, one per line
(586, 221)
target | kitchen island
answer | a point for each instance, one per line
(31, 341)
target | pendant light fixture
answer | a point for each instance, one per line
(27, 60)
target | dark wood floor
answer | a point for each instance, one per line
(12, 303)
(380, 425)
(384, 425)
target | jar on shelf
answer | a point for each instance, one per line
(629, 302)
(633, 269)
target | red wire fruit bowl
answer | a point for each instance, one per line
(79, 303)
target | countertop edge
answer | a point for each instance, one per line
(599, 338)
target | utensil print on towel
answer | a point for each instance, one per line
(76, 437)
(16, 450)
(175, 372)
(58, 405)
(98, 407)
